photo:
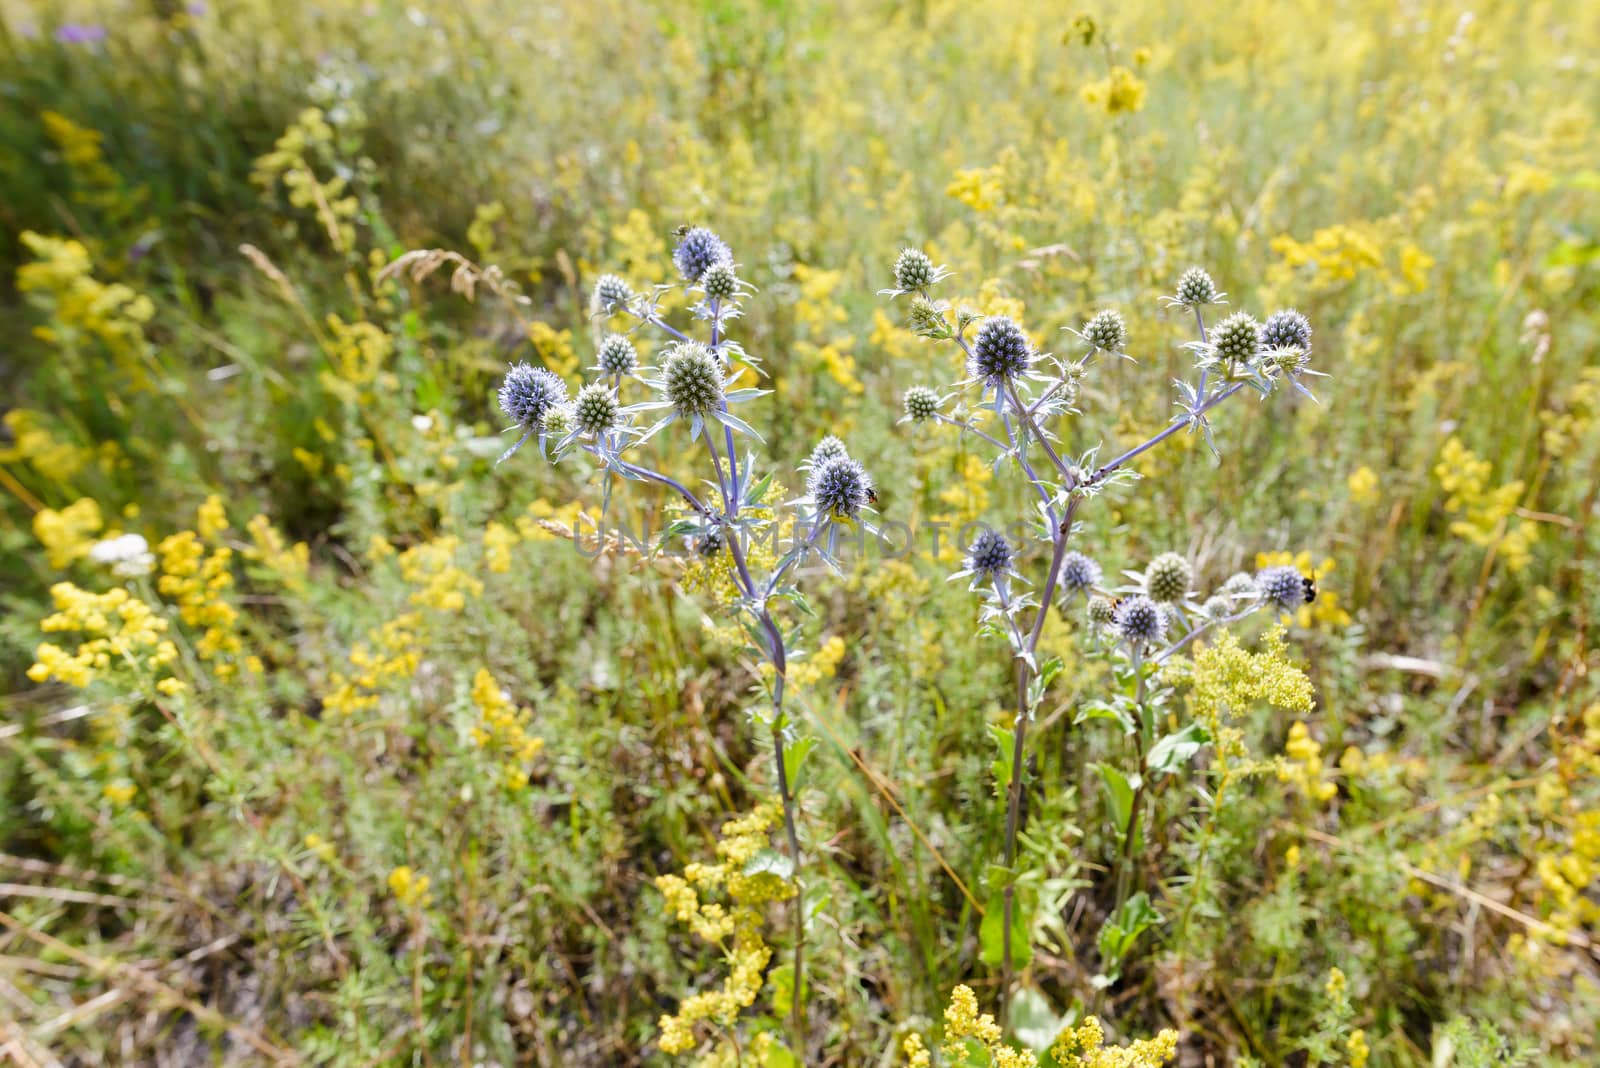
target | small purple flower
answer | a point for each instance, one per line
(77, 33)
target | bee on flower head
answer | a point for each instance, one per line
(1310, 585)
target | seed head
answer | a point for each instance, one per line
(528, 393)
(1101, 612)
(1195, 288)
(921, 403)
(1001, 351)
(617, 355)
(1106, 331)
(611, 292)
(698, 251)
(1078, 574)
(693, 379)
(989, 554)
(596, 409)
(1167, 578)
(1139, 619)
(840, 487)
(828, 448)
(1237, 339)
(1286, 329)
(913, 270)
(1282, 587)
(719, 281)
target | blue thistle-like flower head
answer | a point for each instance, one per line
(617, 355)
(611, 292)
(1101, 612)
(1237, 339)
(1079, 574)
(1001, 351)
(1286, 329)
(840, 487)
(1106, 331)
(1139, 619)
(698, 251)
(1217, 607)
(595, 410)
(528, 393)
(1195, 288)
(1167, 578)
(989, 555)
(921, 404)
(1282, 587)
(692, 378)
(1240, 584)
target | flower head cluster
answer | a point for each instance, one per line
(692, 379)
(1167, 578)
(989, 555)
(1140, 620)
(595, 410)
(1105, 331)
(720, 281)
(528, 393)
(1079, 574)
(611, 292)
(913, 270)
(1001, 351)
(839, 487)
(1195, 288)
(962, 1022)
(502, 729)
(699, 250)
(616, 356)
(117, 631)
(1282, 587)
(1084, 1047)
(1236, 341)
(921, 404)
(1286, 329)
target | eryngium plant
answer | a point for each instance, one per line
(696, 384)
(1155, 613)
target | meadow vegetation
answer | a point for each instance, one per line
(322, 741)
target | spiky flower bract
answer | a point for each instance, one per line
(989, 554)
(1106, 331)
(840, 487)
(719, 281)
(913, 270)
(698, 251)
(595, 410)
(692, 378)
(1139, 619)
(1167, 578)
(1001, 351)
(1079, 574)
(1286, 329)
(617, 355)
(1237, 339)
(1101, 611)
(1282, 587)
(1195, 288)
(528, 393)
(829, 448)
(611, 292)
(921, 403)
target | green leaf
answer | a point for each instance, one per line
(771, 862)
(991, 935)
(1123, 928)
(1034, 1022)
(754, 493)
(1175, 750)
(779, 1056)
(782, 980)
(1005, 741)
(1119, 791)
(794, 755)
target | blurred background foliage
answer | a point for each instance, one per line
(315, 827)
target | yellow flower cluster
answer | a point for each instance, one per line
(69, 534)
(81, 307)
(290, 161)
(356, 353)
(498, 541)
(1363, 486)
(1301, 764)
(56, 461)
(196, 581)
(1084, 1047)
(503, 729)
(748, 885)
(393, 654)
(289, 563)
(1325, 611)
(823, 664)
(1569, 859)
(1119, 92)
(118, 630)
(962, 1022)
(1486, 513)
(409, 888)
(431, 566)
(1228, 679)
